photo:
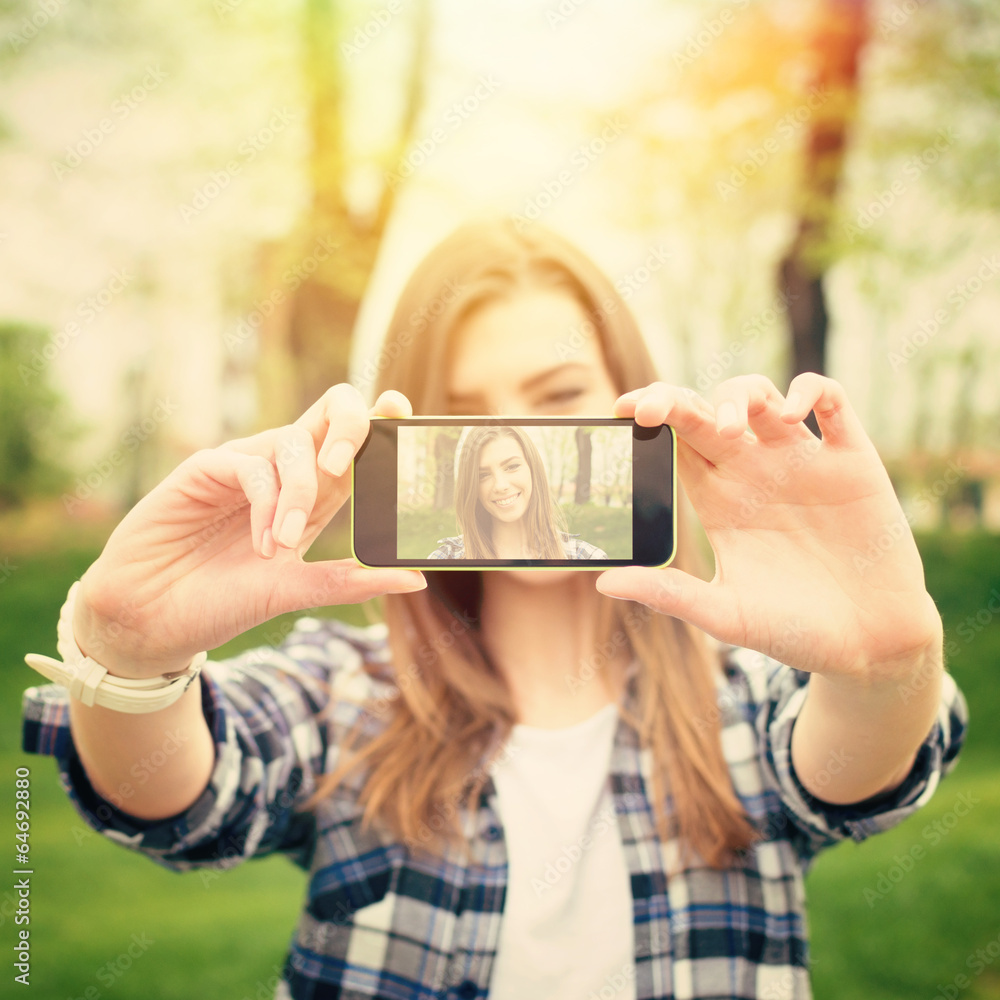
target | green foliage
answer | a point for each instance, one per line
(31, 418)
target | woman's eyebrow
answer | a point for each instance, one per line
(503, 461)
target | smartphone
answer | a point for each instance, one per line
(506, 493)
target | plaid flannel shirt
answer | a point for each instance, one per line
(453, 547)
(383, 921)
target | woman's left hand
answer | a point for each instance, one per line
(815, 562)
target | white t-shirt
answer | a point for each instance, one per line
(567, 926)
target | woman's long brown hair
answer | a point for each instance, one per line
(541, 519)
(453, 710)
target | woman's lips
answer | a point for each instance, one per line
(507, 501)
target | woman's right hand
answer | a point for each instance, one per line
(217, 547)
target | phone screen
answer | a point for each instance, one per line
(468, 492)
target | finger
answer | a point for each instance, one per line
(692, 417)
(339, 581)
(835, 416)
(258, 480)
(392, 404)
(676, 593)
(295, 459)
(751, 400)
(338, 422)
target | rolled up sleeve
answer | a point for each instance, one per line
(265, 710)
(821, 823)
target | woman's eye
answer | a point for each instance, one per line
(561, 397)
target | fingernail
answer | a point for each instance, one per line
(338, 457)
(792, 403)
(415, 582)
(726, 415)
(267, 546)
(290, 532)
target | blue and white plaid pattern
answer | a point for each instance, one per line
(453, 547)
(384, 921)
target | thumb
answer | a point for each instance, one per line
(338, 581)
(673, 592)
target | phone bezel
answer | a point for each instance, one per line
(656, 509)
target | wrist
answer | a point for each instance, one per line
(89, 681)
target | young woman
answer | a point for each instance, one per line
(504, 507)
(544, 785)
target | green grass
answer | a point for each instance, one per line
(610, 528)
(419, 531)
(923, 933)
(225, 938)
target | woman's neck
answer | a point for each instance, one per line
(510, 540)
(542, 634)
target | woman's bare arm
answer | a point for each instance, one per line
(150, 766)
(210, 552)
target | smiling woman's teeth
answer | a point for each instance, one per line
(507, 501)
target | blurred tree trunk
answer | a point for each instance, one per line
(444, 471)
(584, 450)
(333, 253)
(840, 35)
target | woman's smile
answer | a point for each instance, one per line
(507, 500)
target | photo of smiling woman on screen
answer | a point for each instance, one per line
(504, 507)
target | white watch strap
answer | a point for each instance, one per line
(90, 683)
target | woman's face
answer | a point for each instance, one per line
(532, 355)
(535, 354)
(504, 479)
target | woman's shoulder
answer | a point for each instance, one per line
(576, 548)
(452, 547)
(347, 661)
